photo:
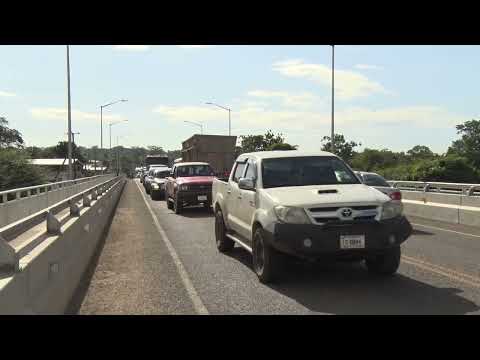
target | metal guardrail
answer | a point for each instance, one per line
(9, 255)
(437, 187)
(16, 204)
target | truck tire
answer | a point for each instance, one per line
(224, 244)
(266, 260)
(386, 263)
(177, 206)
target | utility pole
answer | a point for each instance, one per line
(333, 101)
(70, 172)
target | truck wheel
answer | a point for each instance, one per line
(169, 203)
(265, 259)
(386, 263)
(224, 244)
(177, 206)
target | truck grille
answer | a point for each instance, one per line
(337, 214)
(200, 187)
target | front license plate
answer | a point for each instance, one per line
(202, 197)
(352, 241)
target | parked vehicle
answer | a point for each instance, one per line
(307, 205)
(189, 184)
(157, 184)
(148, 178)
(379, 183)
(143, 175)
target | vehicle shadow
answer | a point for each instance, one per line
(196, 212)
(349, 289)
(421, 232)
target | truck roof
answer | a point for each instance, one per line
(191, 163)
(285, 154)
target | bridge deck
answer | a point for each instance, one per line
(136, 274)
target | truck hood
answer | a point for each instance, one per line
(305, 196)
(195, 180)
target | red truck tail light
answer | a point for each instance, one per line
(397, 195)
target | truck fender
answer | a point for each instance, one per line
(219, 204)
(263, 218)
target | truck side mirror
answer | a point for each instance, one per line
(246, 184)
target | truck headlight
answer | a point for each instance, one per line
(291, 215)
(184, 187)
(391, 209)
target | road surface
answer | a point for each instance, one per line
(156, 262)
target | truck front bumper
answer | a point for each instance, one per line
(192, 197)
(324, 240)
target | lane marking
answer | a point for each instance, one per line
(452, 231)
(192, 293)
(448, 273)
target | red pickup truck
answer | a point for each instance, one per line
(189, 183)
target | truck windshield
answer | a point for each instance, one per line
(162, 174)
(303, 171)
(194, 170)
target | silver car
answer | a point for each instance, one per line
(379, 183)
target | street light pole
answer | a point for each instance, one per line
(229, 118)
(333, 101)
(110, 151)
(101, 120)
(70, 172)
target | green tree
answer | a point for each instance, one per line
(156, 150)
(16, 171)
(343, 149)
(469, 144)
(253, 143)
(420, 152)
(9, 137)
(283, 146)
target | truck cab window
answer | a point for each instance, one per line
(251, 171)
(238, 171)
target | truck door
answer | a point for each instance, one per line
(246, 203)
(169, 184)
(233, 194)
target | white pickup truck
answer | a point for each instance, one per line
(309, 205)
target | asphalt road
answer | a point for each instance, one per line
(137, 273)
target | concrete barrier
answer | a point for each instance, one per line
(451, 208)
(17, 204)
(51, 254)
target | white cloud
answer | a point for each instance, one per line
(417, 116)
(132, 47)
(250, 116)
(368, 67)
(7, 94)
(289, 99)
(61, 114)
(348, 84)
(194, 46)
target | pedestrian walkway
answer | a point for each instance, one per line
(134, 273)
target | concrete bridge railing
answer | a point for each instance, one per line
(44, 256)
(16, 204)
(450, 202)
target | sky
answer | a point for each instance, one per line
(392, 97)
